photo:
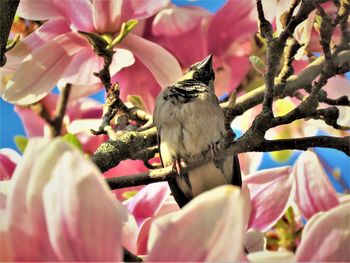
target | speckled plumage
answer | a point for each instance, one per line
(190, 121)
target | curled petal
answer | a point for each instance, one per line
(84, 220)
(326, 237)
(41, 70)
(160, 62)
(312, 185)
(254, 241)
(271, 193)
(210, 228)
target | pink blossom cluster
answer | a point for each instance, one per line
(57, 207)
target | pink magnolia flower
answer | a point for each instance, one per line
(60, 209)
(190, 33)
(325, 238)
(56, 51)
(274, 190)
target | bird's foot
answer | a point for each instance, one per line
(177, 168)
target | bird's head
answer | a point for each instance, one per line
(201, 71)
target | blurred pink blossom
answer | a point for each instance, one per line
(60, 209)
(56, 51)
(8, 162)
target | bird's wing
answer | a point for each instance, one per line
(179, 196)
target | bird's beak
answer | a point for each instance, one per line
(206, 63)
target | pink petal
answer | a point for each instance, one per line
(106, 15)
(33, 124)
(160, 62)
(84, 108)
(235, 16)
(41, 70)
(84, 220)
(80, 91)
(37, 10)
(176, 20)
(20, 225)
(135, 9)
(230, 73)
(148, 201)
(8, 162)
(169, 206)
(271, 193)
(78, 13)
(312, 185)
(124, 168)
(144, 85)
(326, 237)
(36, 40)
(186, 56)
(210, 228)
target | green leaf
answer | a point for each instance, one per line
(126, 28)
(258, 64)
(21, 142)
(72, 140)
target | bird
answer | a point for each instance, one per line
(189, 122)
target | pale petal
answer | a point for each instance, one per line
(254, 241)
(271, 256)
(271, 194)
(210, 228)
(84, 220)
(136, 9)
(235, 16)
(312, 186)
(106, 15)
(176, 20)
(160, 62)
(78, 13)
(148, 201)
(326, 237)
(35, 40)
(37, 10)
(41, 70)
(249, 162)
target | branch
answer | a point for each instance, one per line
(294, 83)
(127, 146)
(243, 144)
(56, 123)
